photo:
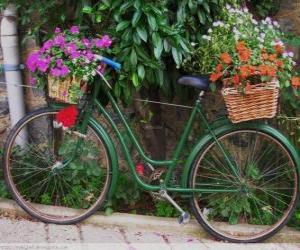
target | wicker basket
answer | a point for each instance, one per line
(59, 90)
(259, 102)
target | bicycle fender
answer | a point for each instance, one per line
(112, 154)
(230, 128)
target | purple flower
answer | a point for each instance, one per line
(101, 68)
(74, 30)
(32, 81)
(48, 45)
(64, 70)
(55, 72)
(59, 40)
(42, 65)
(32, 60)
(71, 48)
(75, 54)
(89, 55)
(86, 42)
(59, 63)
(104, 42)
(57, 30)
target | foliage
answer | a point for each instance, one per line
(164, 209)
(4, 193)
(264, 8)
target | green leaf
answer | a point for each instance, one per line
(206, 7)
(141, 72)
(133, 58)
(98, 18)
(137, 4)
(152, 22)
(136, 17)
(158, 50)
(156, 39)
(184, 46)
(233, 219)
(167, 46)
(136, 38)
(142, 33)
(135, 80)
(201, 17)
(177, 56)
(87, 9)
(122, 26)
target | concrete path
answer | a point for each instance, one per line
(19, 233)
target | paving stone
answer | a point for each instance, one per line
(22, 231)
(62, 233)
(97, 234)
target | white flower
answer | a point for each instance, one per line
(246, 10)
(221, 24)
(268, 20)
(227, 25)
(85, 78)
(178, 67)
(228, 6)
(285, 54)
(236, 37)
(273, 43)
(209, 30)
(87, 60)
(260, 46)
(276, 24)
(262, 35)
(270, 26)
(94, 73)
(244, 36)
(254, 21)
(264, 22)
(291, 54)
(260, 39)
(215, 24)
(206, 37)
(256, 29)
(193, 44)
(86, 67)
(294, 63)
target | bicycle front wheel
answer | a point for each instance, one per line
(253, 204)
(56, 175)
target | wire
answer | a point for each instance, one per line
(18, 85)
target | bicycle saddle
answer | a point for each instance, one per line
(199, 82)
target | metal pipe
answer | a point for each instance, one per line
(11, 56)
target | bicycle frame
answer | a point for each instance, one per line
(170, 164)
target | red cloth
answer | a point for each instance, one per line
(67, 116)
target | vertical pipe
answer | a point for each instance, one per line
(11, 56)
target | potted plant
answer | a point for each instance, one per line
(251, 61)
(67, 62)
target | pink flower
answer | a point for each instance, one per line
(59, 62)
(64, 71)
(42, 65)
(89, 55)
(86, 42)
(74, 30)
(32, 61)
(101, 68)
(55, 72)
(57, 30)
(48, 44)
(71, 48)
(32, 81)
(59, 40)
(104, 42)
(75, 54)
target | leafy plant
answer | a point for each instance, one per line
(164, 209)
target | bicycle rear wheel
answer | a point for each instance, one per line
(266, 187)
(53, 174)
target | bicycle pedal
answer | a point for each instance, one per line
(184, 218)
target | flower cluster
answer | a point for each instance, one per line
(242, 51)
(68, 53)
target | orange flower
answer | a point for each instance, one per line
(226, 58)
(263, 69)
(264, 56)
(295, 81)
(272, 57)
(271, 71)
(279, 63)
(245, 71)
(236, 80)
(240, 46)
(219, 67)
(279, 49)
(244, 55)
(215, 76)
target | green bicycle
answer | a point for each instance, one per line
(242, 179)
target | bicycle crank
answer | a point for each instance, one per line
(184, 217)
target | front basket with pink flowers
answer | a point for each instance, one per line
(67, 62)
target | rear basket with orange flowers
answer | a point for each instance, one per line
(250, 90)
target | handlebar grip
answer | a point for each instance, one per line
(109, 62)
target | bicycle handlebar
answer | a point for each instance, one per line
(111, 63)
